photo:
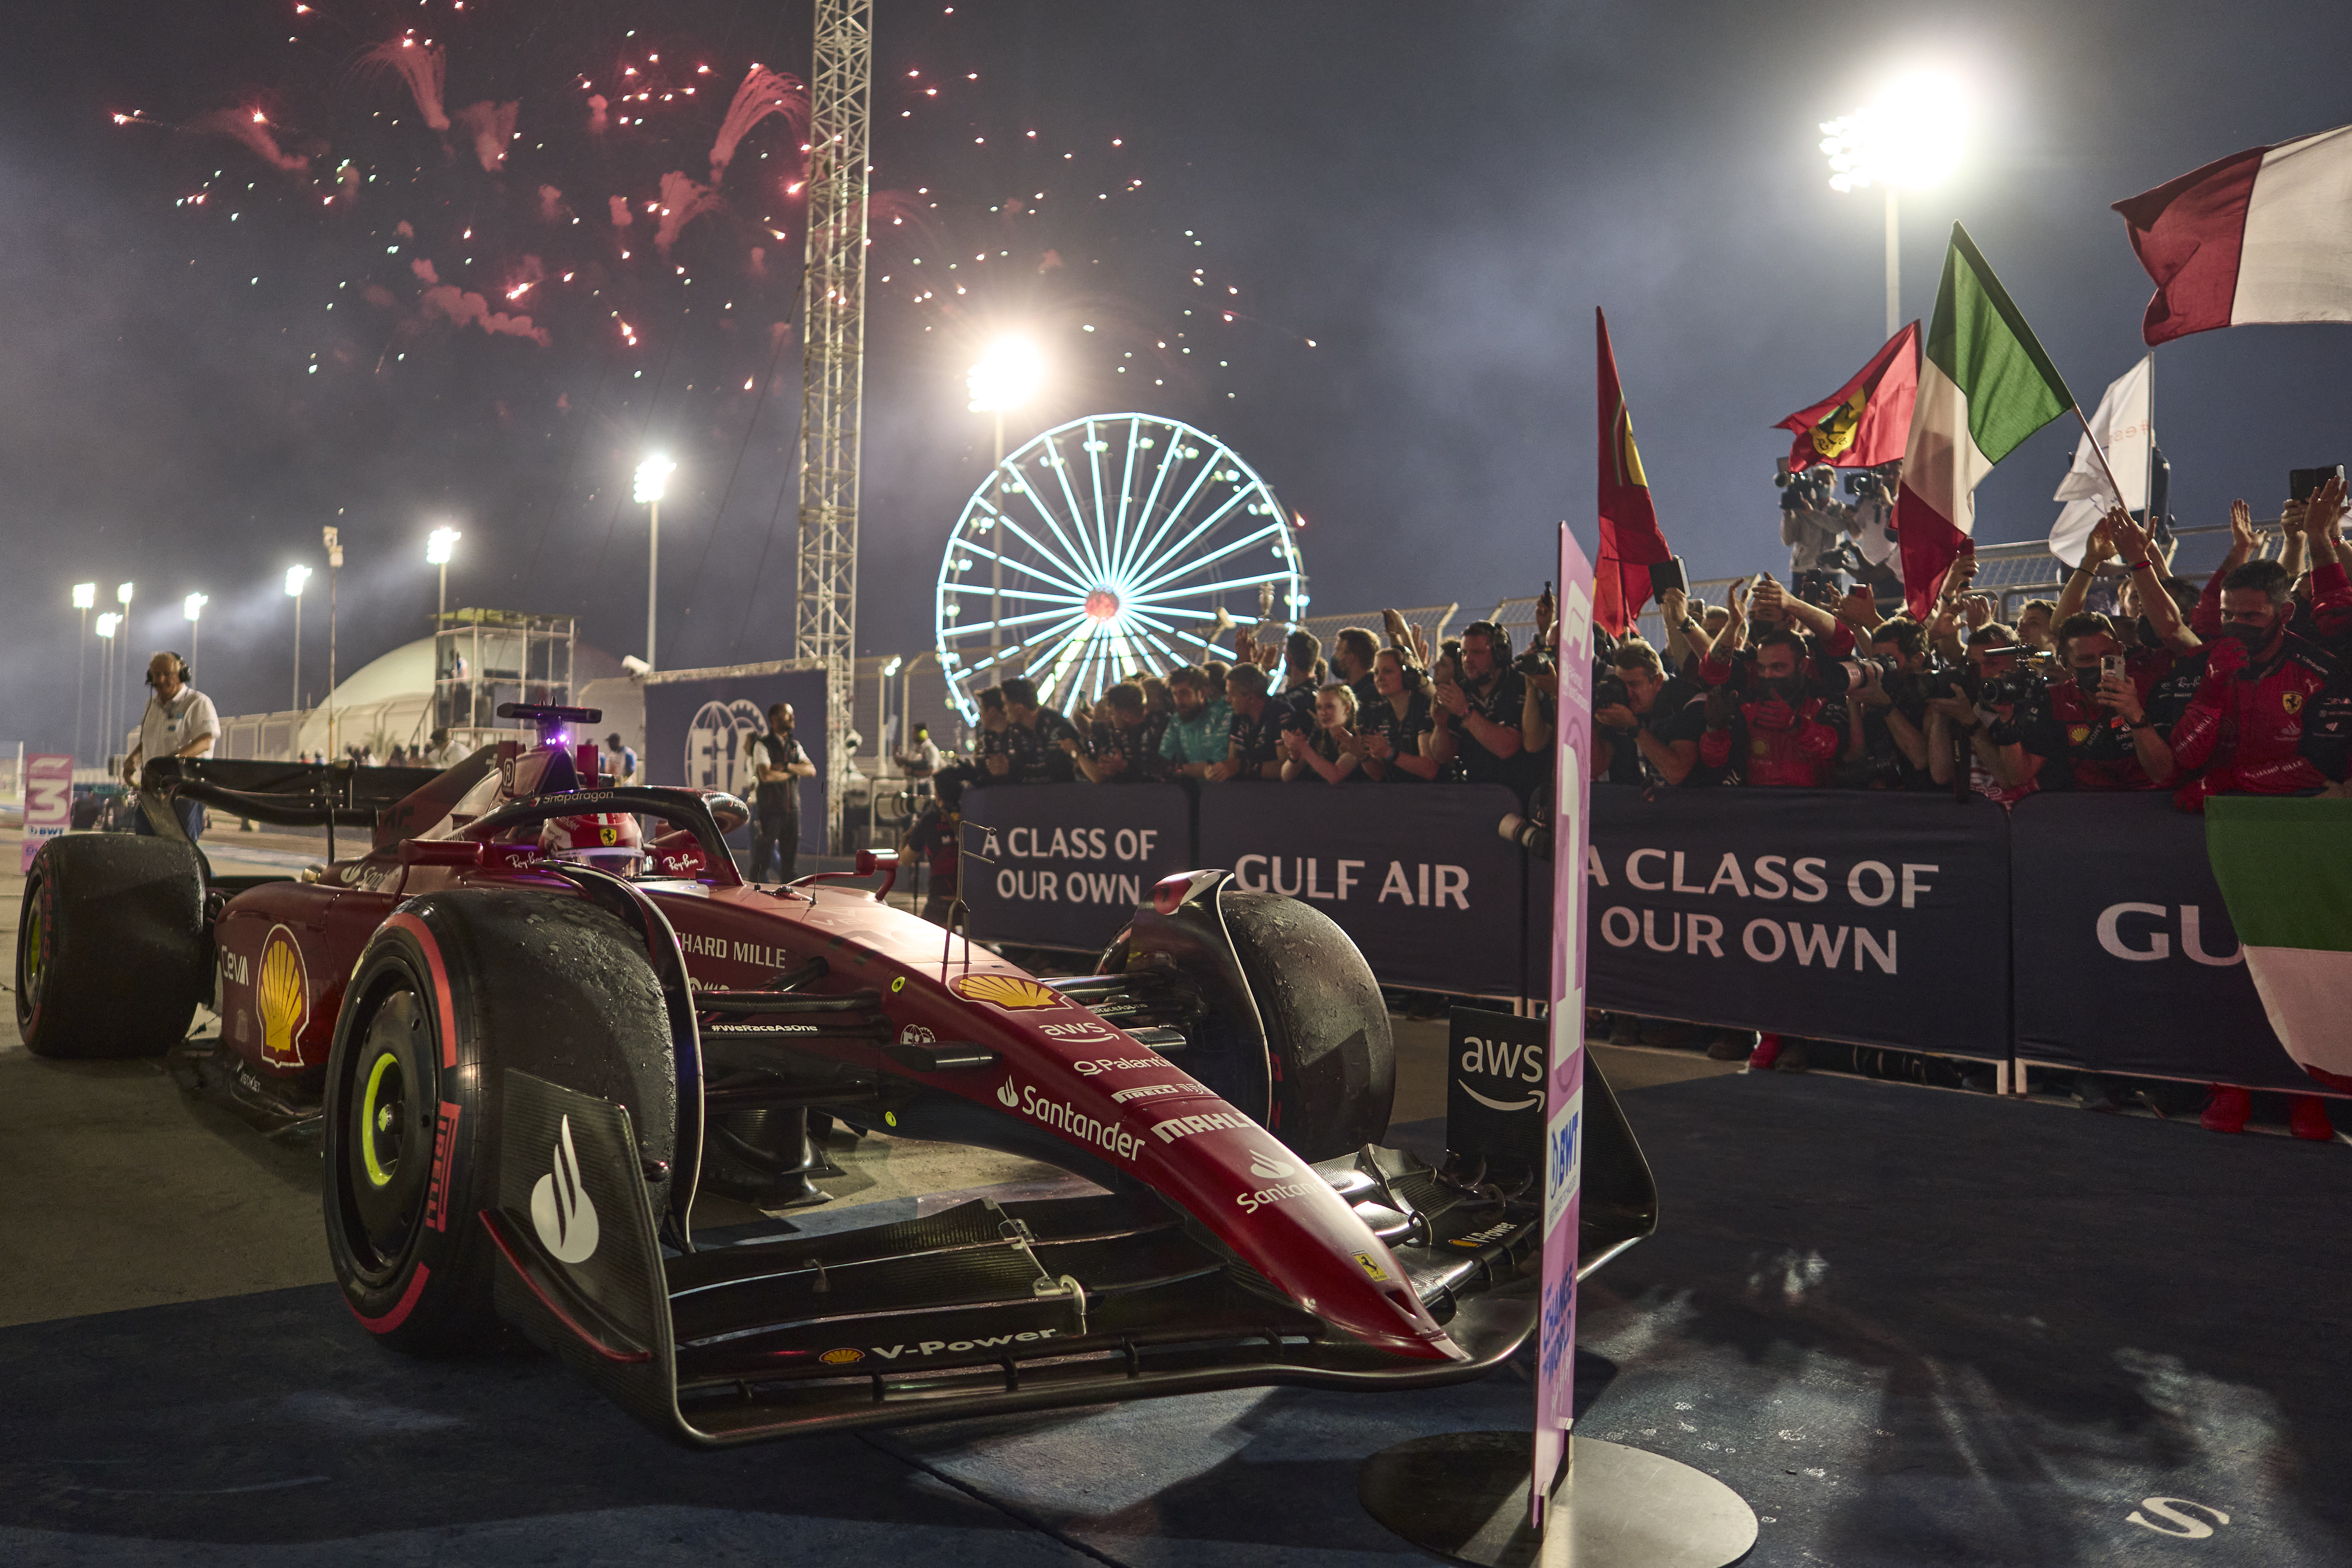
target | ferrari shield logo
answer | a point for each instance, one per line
(1835, 434)
(1371, 1269)
(2291, 701)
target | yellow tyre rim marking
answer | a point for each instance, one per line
(377, 1176)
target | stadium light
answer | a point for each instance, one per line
(653, 477)
(1910, 137)
(85, 595)
(296, 577)
(1008, 375)
(440, 546)
(107, 623)
(192, 608)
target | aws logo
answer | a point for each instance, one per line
(1511, 1060)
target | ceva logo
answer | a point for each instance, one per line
(560, 1207)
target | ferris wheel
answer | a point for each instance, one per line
(1105, 547)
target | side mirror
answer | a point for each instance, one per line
(440, 851)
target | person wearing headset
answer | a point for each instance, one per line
(179, 721)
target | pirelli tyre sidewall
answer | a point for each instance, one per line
(111, 951)
(453, 991)
(410, 1136)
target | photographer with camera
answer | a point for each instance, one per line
(1647, 725)
(1480, 726)
(1978, 705)
(1887, 745)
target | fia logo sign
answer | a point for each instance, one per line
(560, 1207)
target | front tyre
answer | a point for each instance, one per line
(406, 1147)
(1332, 1060)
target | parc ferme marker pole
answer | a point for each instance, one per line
(1564, 1089)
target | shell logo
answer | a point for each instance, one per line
(844, 1356)
(1010, 992)
(285, 994)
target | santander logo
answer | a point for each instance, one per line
(560, 1207)
(1007, 1096)
(1269, 1169)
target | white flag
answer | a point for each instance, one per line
(2124, 426)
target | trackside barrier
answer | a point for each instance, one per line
(2072, 932)
(1836, 914)
(1063, 865)
(2125, 959)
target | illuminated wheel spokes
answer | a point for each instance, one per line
(1105, 547)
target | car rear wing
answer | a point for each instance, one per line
(283, 794)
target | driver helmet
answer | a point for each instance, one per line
(611, 837)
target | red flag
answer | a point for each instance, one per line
(1866, 422)
(1630, 540)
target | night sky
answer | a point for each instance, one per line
(1435, 196)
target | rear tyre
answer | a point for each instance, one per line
(111, 950)
(452, 990)
(1327, 1030)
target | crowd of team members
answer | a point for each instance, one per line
(2242, 685)
(1399, 713)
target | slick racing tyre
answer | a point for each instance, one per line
(111, 952)
(454, 989)
(1327, 1030)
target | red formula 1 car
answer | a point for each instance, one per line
(528, 1033)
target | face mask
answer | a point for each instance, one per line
(1788, 688)
(2087, 679)
(2253, 637)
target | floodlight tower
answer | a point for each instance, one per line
(833, 362)
(1910, 135)
(85, 595)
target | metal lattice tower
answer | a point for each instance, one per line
(833, 362)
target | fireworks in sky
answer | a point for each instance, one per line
(565, 179)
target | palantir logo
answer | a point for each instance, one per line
(560, 1207)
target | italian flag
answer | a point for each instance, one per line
(2285, 865)
(1986, 385)
(2261, 235)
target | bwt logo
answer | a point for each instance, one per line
(2140, 944)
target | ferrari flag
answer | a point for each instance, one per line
(2260, 236)
(1866, 422)
(1985, 387)
(1630, 540)
(2284, 866)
